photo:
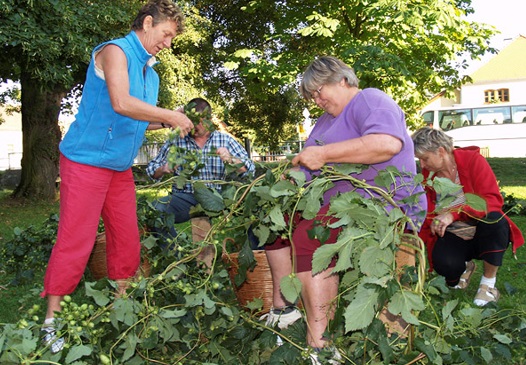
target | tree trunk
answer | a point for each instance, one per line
(41, 136)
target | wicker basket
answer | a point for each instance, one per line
(97, 261)
(258, 283)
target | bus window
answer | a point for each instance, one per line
(451, 119)
(428, 118)
(519, 114)
(488, 116)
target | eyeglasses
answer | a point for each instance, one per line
(316, 93)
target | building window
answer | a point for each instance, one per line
(504, 95)
(489, 96)
(496, 96)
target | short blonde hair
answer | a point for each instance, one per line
(430, 140)
(326, 70)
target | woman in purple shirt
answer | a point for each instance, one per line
(358, 126)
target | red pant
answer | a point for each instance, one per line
(304, 246)
(86, 193)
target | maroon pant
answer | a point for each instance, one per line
(304, 246)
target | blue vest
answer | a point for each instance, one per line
(99, 136)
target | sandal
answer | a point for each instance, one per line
(485, 295)
(463, 283)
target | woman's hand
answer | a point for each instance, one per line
(181, 121)
(440, 223)
(311, 157)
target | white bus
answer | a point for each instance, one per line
(499, 130)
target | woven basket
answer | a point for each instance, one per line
(258, 283)
(97, 261)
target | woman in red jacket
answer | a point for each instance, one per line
(456, 234)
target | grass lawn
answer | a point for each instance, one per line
(15, 299)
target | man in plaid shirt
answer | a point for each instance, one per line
(215, 148)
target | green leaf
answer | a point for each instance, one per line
(244, 53)
(503, 339)
(130, 341)
(443, 186)
(150, 342)
(405, 302)
(486, 355)
(350, 278)
(208, 198)
(376, 262)
(78, 351)
(476, 202)
(283, 188)
(344, 262)
(149, 242)
(313, 196)
(290, 287)
(361, 311)
(427, 348)
(255, 304)
(262, 232)
(230, 65)
(174, 313)
(349, 168)
(472, 315)
(385, 179)
(319, 232)
(351, 206)
(312, 207)
(276, 216)
(98, 296)
(447, 309)
(323, 255)
(124, 311)
(298, 176)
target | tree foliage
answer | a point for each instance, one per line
(46, 48)
(410, 49)
(245, 56)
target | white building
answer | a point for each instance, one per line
(10, 141)
(489, 112)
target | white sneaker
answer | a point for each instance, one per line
(282, 320)
(336, 358)
(50, 339)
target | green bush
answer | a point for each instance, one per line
(513, 205)
(185, 313)
(29, 250)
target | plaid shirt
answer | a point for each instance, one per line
(214, 168)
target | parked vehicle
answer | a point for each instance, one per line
(499, 130)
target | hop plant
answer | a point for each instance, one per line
(196, 117)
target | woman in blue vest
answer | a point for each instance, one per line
(117, 106)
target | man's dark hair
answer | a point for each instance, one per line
(199, 105)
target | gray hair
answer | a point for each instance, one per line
(430, 140)
(326, 70)
(160, 11)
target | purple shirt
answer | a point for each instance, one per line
(371, 111)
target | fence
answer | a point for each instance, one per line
(148, 151)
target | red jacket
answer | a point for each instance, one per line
(476, 177)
